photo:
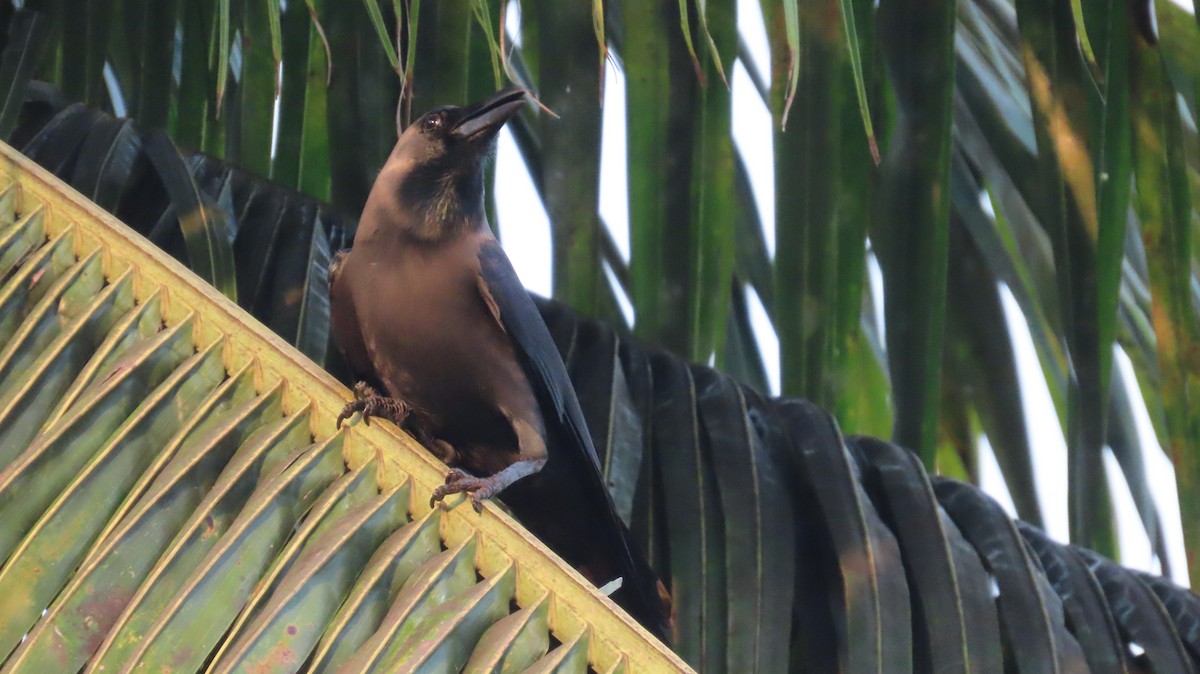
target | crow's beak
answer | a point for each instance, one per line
(483, 120)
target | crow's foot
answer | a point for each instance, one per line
(369, 403)
(459, 481)
(483, 488)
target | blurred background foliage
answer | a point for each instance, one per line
(1045, 147)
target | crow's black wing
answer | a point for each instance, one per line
(540, 358)
(572, 465)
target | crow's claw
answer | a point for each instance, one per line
(458, 481)
(363, 390)
(370, 404)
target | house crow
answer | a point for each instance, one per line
(445, 341)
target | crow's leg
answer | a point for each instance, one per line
(483, 488)
(369, 403)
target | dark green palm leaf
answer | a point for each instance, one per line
(759, 543)
(1184, 609)
(1084, 602)
(1141, 617)
(1038, 639)
(22, 51)
(953, 622)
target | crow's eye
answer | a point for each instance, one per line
(433, 122)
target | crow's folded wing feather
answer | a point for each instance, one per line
(543, 365)
(573, 457)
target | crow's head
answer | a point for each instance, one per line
(434, 176)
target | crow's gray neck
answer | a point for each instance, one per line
(443, 206)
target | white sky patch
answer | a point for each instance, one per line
(114, 91)
(875, 282)
(754, 31)
(619, 293)
(512, 23)
(1186, 113)
(1046, 439)
(991, 480)
(523, 223)
(1186, 4)
(752, 135)
(1132, 541)
(985, 203)
(275, 113)
(768, 341)
(1159, 472)
(614, 166)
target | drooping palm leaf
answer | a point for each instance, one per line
(967, 532)
(277, 268)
